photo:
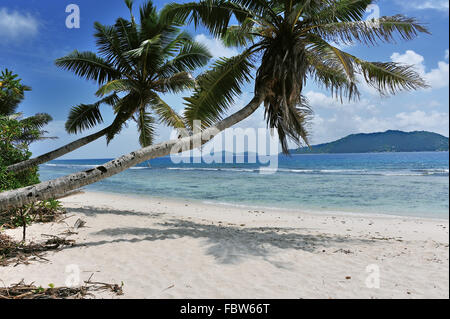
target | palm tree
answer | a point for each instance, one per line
(136, 63)
(297, 40)
(12, 93)
(288, 41)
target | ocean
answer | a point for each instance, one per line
(402, 184)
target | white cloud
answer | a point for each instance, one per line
(441, 5)
(320, 101)
(436, 78)
(216, 46)
(16, 26)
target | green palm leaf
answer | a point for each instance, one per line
(38, 121)
(384, 29)
(390, 77)
(239, 35)
(89, 66)
(146, 128)
(330, 11)
(215, 15)
(119, 85)
(175, 84)
(217, 89)
(83, 117)
(191, 56)
(166, 114)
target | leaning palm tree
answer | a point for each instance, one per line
(297, 40)
(288, 42)
(136, 63)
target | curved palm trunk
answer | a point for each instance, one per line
(50, 189)
(56, 153)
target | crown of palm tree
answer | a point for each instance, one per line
(136, 61)
(293, 41)
(12, 92)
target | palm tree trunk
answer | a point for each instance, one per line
(53, 188)
(18, 167)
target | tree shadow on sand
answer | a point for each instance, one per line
(93, 211)
(231, 245)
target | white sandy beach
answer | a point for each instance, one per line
(175, 249)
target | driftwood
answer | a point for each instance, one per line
(24, 291)
(13, 252)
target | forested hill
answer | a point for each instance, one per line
(389, 141)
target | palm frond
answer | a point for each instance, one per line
(191, 56)
(148, 12)
(175, 84)
(265, 10)
(117, 86)
(109, 45)
(146, 127)
(239, 35)
(215, 15)
(83, 117)
(89, 66)
(371, 32)
(217, 89)
(292, 126)
(330, 11)
(333, 56)
(332, 77)
(38, 120)
(143, 49)
(127, 34)
(390, 77)
(386, 77)
(124, 110)
(167, 115)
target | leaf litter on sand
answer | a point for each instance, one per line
(30, 291)
(14, 252)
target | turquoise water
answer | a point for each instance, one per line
(407, 184)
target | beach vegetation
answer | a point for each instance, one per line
(16, 135)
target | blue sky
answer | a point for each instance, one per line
(34, 34)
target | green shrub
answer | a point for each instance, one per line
(14, 150)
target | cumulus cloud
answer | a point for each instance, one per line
(441, 5)
(17, 26)
(436, 78)
(216, 46)
(320, 101)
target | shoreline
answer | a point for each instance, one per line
(179, 249)
(320, 212)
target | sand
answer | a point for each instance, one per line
(163, 248)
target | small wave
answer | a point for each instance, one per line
(324, 171)
(433, 171)
(400, 172)
(70, 165)
(212, 169)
